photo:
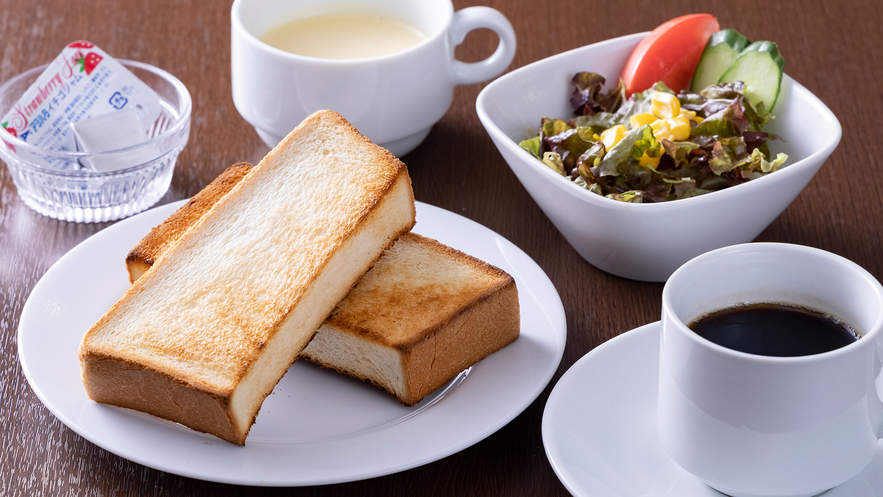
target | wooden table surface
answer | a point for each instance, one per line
(832, 48)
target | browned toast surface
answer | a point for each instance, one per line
(418, 284)
(160, 238)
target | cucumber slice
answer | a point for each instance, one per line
(760, 67)
(721, 51)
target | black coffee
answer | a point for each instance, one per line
(774, 330)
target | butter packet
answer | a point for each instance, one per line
(82, 83)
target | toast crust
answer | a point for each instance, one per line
(266, 276)
(208, 413)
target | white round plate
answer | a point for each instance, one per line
(599, 428)
(317, 427)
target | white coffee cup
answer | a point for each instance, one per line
(392, 99)
(752, 425)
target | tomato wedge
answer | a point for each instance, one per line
(669, 53)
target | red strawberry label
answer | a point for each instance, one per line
(81, 44)
(89, 62)
(11, 132)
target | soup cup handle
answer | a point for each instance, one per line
(876, 403)
(468, 19)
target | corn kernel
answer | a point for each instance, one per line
(596, 137)
(611, 136)
(661, 130)
(664, 105)
(648, 162)
(679, 127)
(642, 119)
(698, 120)
(689, 114)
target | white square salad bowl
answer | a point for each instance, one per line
(648, 241)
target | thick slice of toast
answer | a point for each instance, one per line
(387, 330)
(421, 315)
(206, 333)
(160, 238)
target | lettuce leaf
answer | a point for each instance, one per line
(639, 103)
(587, 98)
(633, 196)
(532, 145)
(632, 145)
(726, 148)
(570, 144)
(554, 162)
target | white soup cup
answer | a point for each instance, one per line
(392, 99)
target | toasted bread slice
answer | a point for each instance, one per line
(206, 333)
(160, 238)
(420, 293)
(420, 316)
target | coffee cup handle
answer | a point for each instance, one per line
(465, 20)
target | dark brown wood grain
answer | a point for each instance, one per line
(832, 48)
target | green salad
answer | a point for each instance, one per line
(656, 145)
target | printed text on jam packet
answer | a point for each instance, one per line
(81, 83)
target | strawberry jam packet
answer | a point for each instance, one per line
(83, 82)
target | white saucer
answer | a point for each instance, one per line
(599, 428)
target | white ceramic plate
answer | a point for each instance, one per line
(599, 428)
(317, 427)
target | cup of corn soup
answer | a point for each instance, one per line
(387, 66)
